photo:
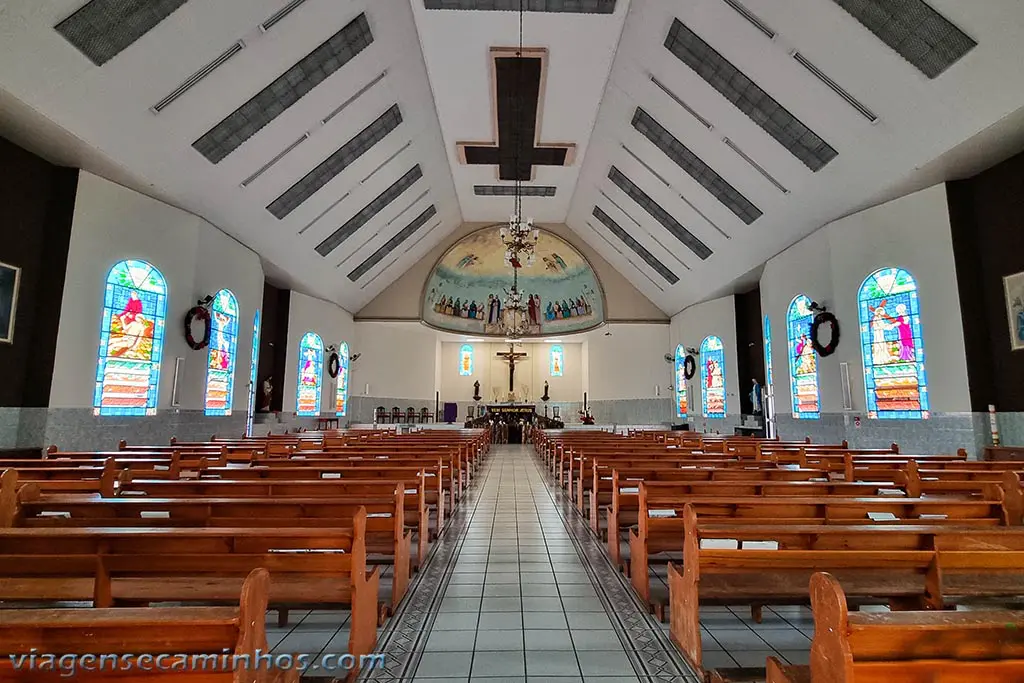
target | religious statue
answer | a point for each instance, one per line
(755, 397)
(476, 390)
(268, 391)
(545, 397)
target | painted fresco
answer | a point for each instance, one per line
(466, 290)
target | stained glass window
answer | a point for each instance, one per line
(311, 372)
(557, 361)
(803, 362)
(892, 346)
(768, 351)
(220, 368)
(768, 397)
(254, 364)
(131, 340)
(466, 360)
(341, 393)
(682, 406)
(712, 377)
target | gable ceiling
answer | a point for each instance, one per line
(699, 138)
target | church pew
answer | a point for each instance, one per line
(88, 479)
(903, 565)
(128, 634)
(416, 512)
(107, 567)
(911, 647)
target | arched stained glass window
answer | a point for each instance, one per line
(311, 372)
(254, 364)
(679, 384)
(892, 346)
(768, 396)
(131, 340)
(712, 377)
(803, 362)
(220, 368)
(341, 393)
(466, 360)
(557, 361)
(769, 379)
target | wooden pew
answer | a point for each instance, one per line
(102, 480)
(124, 566)
(137, 636)
(910, 647)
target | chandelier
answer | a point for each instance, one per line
(520, 237)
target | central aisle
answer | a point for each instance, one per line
(518, 591)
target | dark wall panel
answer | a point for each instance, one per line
(987, 219)
(749, 345)
(38, 202)
(273, 345)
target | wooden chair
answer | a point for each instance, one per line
(396, 415)
(424, 415)
(410, 414)
(380, 415)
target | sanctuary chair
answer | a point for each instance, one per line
(410, 414)
(424, 415)
(396, 414)
(380, 414)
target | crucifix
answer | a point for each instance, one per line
(511, 357)
(516, 103)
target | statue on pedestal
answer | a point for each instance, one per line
(476, 390)
(268, 391)
(545, 397)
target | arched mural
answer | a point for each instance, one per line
(466, 290)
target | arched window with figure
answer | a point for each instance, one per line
(254, 364)
(311, 372)
(679, 383)
(892, 346)
(557, 361)
(131, 340)
(341, 392)
(220, 368)
(803, 362)
(466, 360)
(712, 377)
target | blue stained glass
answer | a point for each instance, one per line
(768, 351)
(131, 340)
(220, 368)
(254, 362)
(892, 346)
(341, 392)
(557, 361)
(311, 373)
(712, 377)
(803, 362)
(682, 406)
(466, 360)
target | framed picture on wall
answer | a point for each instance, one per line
(1014, 285)
(10, 278)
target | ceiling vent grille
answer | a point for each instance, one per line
(277, 157)
(914, 30)
(560, 6)
(101, 29)
(286, 90)
(280, 14)
(835, 87)
(762, 108)
(367, 213)
(659, 214)
(192, 80)
(510, 190)
(640, 250)
(728, 195)
(752, 18)
(393, 243)
(331, 167)
(621, 253)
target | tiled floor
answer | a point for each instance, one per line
(519, 591)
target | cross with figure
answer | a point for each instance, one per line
(511, 357)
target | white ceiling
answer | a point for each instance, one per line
(599, 69)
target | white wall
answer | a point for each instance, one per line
(334, 325)
(112, 223)
(398, 360)
(628, 363)
(492, 372)
(689, 328)
(830, 265)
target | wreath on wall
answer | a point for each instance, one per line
(825, 318)
(689, 366)
(202, 314)
(333, 364)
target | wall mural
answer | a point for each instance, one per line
(466, 290)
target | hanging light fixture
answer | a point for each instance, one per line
(520, 238)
